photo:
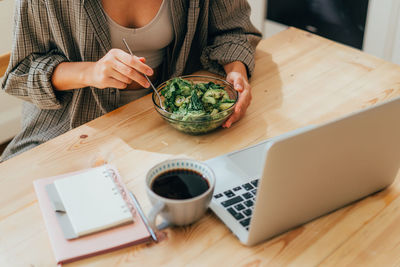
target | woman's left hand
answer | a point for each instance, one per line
(239, 81)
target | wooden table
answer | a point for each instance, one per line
(300, 79)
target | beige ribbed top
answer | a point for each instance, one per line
(149, 41)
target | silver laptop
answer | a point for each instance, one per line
(276, 185)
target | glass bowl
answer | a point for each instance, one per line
(198, 124)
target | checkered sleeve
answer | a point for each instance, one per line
(233, 37)
(34, 56)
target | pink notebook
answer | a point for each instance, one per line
(71, 250)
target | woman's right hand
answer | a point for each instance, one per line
(118, 69)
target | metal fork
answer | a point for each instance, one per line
(155, 90)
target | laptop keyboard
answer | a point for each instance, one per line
(239, 201)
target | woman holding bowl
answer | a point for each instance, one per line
(70, 65)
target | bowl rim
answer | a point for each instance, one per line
(193, 121)
(236, 93)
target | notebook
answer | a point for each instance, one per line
(88, 202)
(68, 250)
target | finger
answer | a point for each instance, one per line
(240, 108)
(140, 65)
(243, 103)
(227, 123)
(230, 79)
(237, 80)
(140, 79)
(119, 73)
(236, 115)
(119, 77)
(116, 84)
(130, 73)
(232, 119)
(133, 62)
(238, 83)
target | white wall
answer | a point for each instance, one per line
(383, 29)
(396, 43)
(10, 107)
(257, 16)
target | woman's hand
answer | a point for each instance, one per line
(237, 76)
(116, 69)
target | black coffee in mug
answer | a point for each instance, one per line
(179, 184)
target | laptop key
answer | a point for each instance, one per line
(235, 214)
(229, 193)
(247, 195)
(254, 191)
(249, 203)
(231, 201)
(255, 183)
(248, 186)
(245, 222)
(247, 212)
(232, 211)
(239, 207)
(238, 216)
(237, 188)
(218, 195)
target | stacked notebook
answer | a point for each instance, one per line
(88, 213)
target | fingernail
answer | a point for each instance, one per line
(149, 72)
(147, 85)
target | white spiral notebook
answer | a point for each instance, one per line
(88, 202)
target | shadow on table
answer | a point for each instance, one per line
(267, 95)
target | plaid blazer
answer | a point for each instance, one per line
(207, 35)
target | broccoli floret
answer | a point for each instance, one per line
(179, 100)
(209, 99)
(215, 93)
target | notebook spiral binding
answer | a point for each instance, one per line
(119, 189)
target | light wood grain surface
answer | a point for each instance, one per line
(300, 79)
(4, 59)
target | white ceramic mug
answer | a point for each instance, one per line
(179, 211)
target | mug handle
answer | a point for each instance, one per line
(157, 208)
